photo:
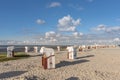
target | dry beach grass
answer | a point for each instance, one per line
(97, 64)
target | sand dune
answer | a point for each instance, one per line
(99, 64)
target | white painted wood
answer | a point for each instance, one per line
(26, 49)
(49, 53)
(10, 51)
(72, 52)
(36, 49)
(58, 47)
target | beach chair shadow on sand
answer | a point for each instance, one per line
(73, 78)
(85, 56)
(11, 74)
(33, 78)
(67, 63)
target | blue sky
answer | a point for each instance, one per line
(50, 19)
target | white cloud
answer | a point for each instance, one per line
(50, 34)
(100, 27)
(54, 4)
(53, 39)
(108, 29)
(81, 34)
(77, 34)
(116, 39)
(67, 23)
(58, 35)
(113, 29)
(40, 21)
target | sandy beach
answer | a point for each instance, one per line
(97, 64)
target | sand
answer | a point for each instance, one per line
(97, 64)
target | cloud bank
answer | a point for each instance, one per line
(108, 29)
(67, 33)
